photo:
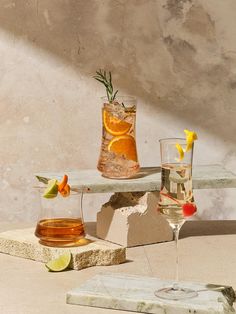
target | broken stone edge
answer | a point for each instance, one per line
(80, 260)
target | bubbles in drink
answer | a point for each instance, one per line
(176, 190)
(118, 156)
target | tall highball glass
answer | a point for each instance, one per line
(118, 156)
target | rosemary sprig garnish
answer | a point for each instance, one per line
(43, 179)
(106, 80)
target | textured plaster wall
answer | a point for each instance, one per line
(177, 56)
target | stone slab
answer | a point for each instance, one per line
(23, 243)
(148, 179)
(135, 293)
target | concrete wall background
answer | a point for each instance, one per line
(177, 56)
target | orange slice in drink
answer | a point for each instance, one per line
(124, 145)
(113, 125)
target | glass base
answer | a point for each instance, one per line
(64, 243)
(178, 293)
(120, 177)
(113, 171)
(60, 232)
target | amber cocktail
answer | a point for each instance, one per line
(61, 218)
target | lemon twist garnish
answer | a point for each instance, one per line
(191, 136)
(180, 150)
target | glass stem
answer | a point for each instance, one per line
(176, 236)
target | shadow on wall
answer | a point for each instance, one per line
(165, 52)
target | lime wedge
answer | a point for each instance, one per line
(59, 264)
(51, 190)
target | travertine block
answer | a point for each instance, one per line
(131, 219)
(23, 243)
(136, 293)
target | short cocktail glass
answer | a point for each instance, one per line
(176, 201)
(118, 156)
(60, 221)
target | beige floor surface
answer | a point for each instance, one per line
(207, 254)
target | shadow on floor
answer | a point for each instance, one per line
(192, 228)
(208, 227)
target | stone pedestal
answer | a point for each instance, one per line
(131, 219)
(136, 293)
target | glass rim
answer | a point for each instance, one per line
(122, 97)
(172, 139)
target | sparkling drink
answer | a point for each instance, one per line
(59, 231)
(118, 156)
(176, 198)
(176, 190)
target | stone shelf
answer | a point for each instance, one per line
(149, 179)
(130, 217)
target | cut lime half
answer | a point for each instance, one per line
(51, 189)
(59, 264)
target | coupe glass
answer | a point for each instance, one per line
(176, 201)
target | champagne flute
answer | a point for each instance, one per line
(176, 200)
